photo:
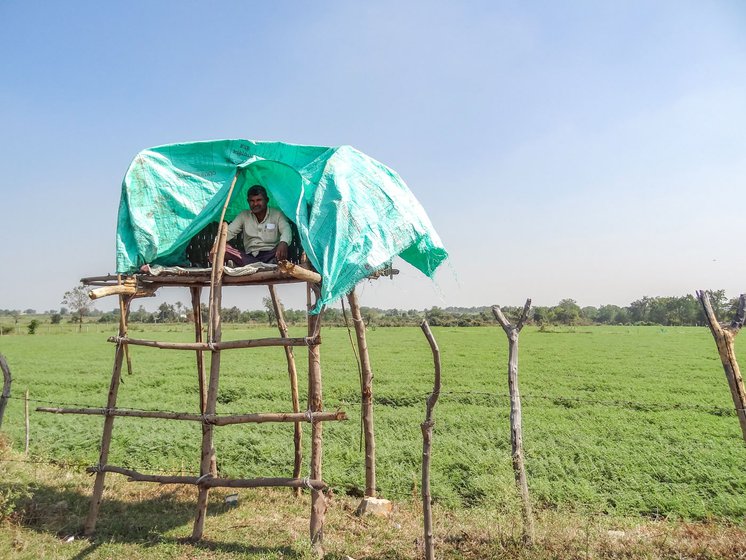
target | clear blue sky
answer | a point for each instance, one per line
(583, 149)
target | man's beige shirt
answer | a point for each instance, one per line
(264, 235)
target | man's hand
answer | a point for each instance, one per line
(281, 253)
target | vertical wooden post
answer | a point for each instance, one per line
(111, 403)
(724, 336)
(27, 423)
(6, 386)
(516, 428)
(207, 462)
(123, 316)
(427, 438)
(293, 375)
(366, 395)
(196, 293)
(315, 404)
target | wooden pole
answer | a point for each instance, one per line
(315, 404)
(427, 438)
(516, 428)
(293, 376)
(196, 293)
(135, 476)
(27, 423)
(7, 380)
(366, 395)
(111, 402)
(213, 419)
(208, 460)
(724, 336)
(123, 315)
(224, 345)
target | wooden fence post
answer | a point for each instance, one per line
(26, 422)
(293, 376)
(366, 394)
(516, 429)
(724, 336)
(6, 387)
(427, 439)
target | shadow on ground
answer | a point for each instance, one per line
(62, 512)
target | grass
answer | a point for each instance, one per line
(621, 425)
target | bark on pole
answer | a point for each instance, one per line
(111, 403)
(366, 394)
(7, 380)
(427, 439)
(196, 294)
(207, 462)
(315, 404)
(293, 376)
(724, 335)
(516, 429)
(123, 316)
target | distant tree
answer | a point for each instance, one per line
(55, 318)
(30, 311)
(32, 326)
(80, 304)
(166, 313)
(270, 308)
(64, 311)
(567, 312)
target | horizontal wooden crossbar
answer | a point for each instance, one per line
(215, 419)
(210, 482)
(215, 346)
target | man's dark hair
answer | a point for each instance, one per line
(257, 190)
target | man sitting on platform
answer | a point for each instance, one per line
(266, 231)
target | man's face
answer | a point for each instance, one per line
(257, 204)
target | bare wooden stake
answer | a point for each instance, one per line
(724, 336)
(366, 391)
(293, 376)
(111, 402)
(123, 315)
(196, 293)
(427, 440)
(315, 404)
(7, 380)
(516, 429)
(208, 460)
(28, 425)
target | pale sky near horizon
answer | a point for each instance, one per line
(580, 149)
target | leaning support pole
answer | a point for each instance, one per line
(293, 375)
(315, 404)
(208, 462)
(111, 402)
(427, 441)
(367, 396)
(6, 387)
(196, 294)
(516, 430)
(123, 316)
(725, 339)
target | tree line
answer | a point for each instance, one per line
(663, 310)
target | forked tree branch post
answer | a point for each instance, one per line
(516, 430)
(725, 335)
(427, 441)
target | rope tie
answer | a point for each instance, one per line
(119, 339)
(202, 478)
(211, 345)
(309, 340)
(309, 416)
(306, 480)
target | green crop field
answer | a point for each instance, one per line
(621, 420)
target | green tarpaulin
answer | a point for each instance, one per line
(353, 213)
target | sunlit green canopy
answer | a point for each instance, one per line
(353, 213)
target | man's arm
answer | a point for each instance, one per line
(286, 237)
